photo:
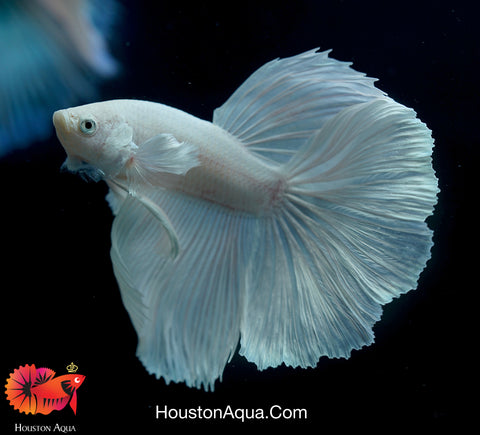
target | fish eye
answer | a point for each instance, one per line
(76, 380)
(88, 126)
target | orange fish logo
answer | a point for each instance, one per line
(38, 391)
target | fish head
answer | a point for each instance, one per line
(71, 382)
(97, 140)
(77, 381)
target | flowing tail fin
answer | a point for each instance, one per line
(20, 386)
(351, 235)
(19, 389)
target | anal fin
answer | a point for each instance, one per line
(186, 310)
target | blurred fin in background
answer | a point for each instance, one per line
(52, 55)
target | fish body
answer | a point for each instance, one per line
(226, 172)
(286, 223)
(38, 391)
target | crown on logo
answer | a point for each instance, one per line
(72, 368)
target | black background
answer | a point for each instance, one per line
(60, 301)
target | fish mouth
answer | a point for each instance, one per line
(62, 122)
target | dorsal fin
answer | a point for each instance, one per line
(285, 101)
(43, 375)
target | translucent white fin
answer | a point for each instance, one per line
(186, 311)
(285, 101)
(350, 237)
(125, 208)
(161, 156)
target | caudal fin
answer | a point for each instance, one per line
(350, 237)
(20, 384)
(19, 389)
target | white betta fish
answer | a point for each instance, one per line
(286, 223)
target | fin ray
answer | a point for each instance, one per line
(285, 101)
(351, 236)
(159, 160)
(186, 311)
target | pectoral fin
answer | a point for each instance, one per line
(160, 158)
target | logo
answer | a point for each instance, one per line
(38, 391)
